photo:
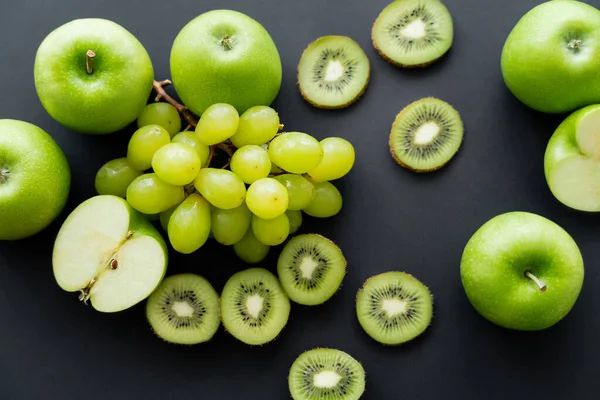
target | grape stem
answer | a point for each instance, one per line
(161, 94)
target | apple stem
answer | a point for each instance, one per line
(225, 42)
(89, 61)
(536, 280)
(161, 94)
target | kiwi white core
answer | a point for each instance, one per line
(308, 266)
(326, 379)
(426, 133)
(588, 134)
(394, 307)
(334, 71)
(254, 304)
(183, 309)
(414, 30)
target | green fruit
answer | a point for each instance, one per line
(572, 160)
(224, 56)
(93, 76)
(522, 271)
(35, 179)
(550, 58)
(110, 253)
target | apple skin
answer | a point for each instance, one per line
(108, 99)
(493, 268)
(541, 70)
(39, 183)
(204, 72)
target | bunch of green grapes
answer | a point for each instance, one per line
(272, 178)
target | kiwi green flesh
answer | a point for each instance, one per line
(254, 307)
(333, 72)
(413, 33)
(426, 135)
(184, 309)
(394, 307)
(326, 374)
(311, 269)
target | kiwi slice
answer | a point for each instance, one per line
(254, 307)
(394, 307)
(413, 33)
(184, 309)
(326, 374)
(333, 72)
(311, 269)
(426, 135)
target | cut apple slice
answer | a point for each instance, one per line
(588, 134)
(110, 253)
(575, 182)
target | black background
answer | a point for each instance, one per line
(52, 346)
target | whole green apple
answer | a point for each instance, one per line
(572, 160)
(224, 56)
(550, 58)
(93, 76)
(522, 271)
(35, 179)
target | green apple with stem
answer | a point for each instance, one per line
(93, 76)
(224, 56)
(522, 271)
(550, 58)
(109, 253)
(35, 179)
(572, 160)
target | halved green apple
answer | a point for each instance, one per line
(110, 253)
(572, 160)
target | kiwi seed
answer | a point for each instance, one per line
(333, 72)
(413, 33)
(324, 373)
(184, 309)
(394, 307)
(311, 269)
(254, 307)
(426, 135)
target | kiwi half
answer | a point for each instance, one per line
(394, 307)
(311, 269)
(333, 72)
(326, 374)
(254, 307)
(184, 309)
(426, 135)
(413, 33)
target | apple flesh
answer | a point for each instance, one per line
(522, 271)
(572, 160)
(110, 253)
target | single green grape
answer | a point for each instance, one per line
(271, 232)
(301, 191)
(258, 125)
(251, 163)
(189, 224)
(327, 203)
(143, 144)
(267, 198)
(338, 160)
(218, 123)
(230, 226)
(114, 177)
(250, 249)
(176, 164)
(190, 138)
(165, 216)
(162, 114)
(221, 187)
(150, 195)
(295, 218)
(296, 152)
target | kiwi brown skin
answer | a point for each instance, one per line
(341, 106)
(397, 159)
(412, 276)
